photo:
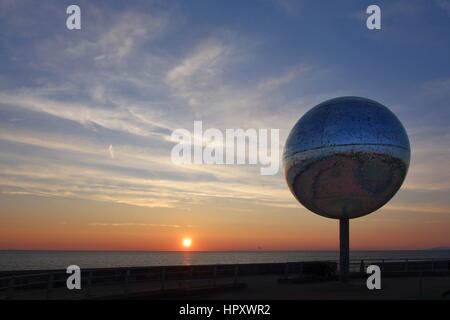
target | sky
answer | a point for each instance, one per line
(86, 118)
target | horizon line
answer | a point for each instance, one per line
(438, 248)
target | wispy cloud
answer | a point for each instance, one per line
(115, 118)
(136, 224)
(444, 5)
(111, 151)
(200, 65)
(418, 207)
(437, 88)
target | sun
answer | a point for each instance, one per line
(187, 242)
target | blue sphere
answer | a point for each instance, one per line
(346, 157)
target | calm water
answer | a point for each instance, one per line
(35, 260)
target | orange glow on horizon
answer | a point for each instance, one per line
(41, 224)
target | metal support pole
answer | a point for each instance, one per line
(344, 250)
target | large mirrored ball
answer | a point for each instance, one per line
(346, 157)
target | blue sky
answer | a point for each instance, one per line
(88, 114)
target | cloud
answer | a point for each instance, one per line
(135, 224)
(444, 5)
(115, 118)
(437, 88)
(111, 151)
(72, 167)
(391, 10)
(202, 62)
(289, 7)
(125, 86)
(204, 82)
(113, 42)
(417, 207)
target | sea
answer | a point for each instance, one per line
(11, 260)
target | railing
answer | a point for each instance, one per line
(104, 282)
(398, 265)
(116, 281)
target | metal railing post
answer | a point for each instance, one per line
(126, 288)
(10, 293)
(214, 275)
(163, 279)
(420, 285)
(187, 282)
(362, 267)
(50, 285)
(89, 284)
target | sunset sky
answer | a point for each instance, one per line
(86, 118)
